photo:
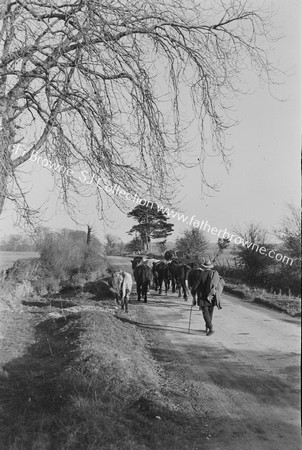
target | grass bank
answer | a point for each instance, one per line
(88, 381)
(283, 303)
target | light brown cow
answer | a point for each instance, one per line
(122, 285)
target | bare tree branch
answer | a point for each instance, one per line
(97, 86)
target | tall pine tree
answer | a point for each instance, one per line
(152, 224)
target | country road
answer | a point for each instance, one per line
(245, 378)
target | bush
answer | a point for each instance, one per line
(67, 253)
(285, 279)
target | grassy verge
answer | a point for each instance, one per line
(88, 381)
(288, 305)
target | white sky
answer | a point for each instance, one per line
(265, 172)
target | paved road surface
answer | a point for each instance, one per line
(247, 373)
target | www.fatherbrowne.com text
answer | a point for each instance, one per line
(103, 184)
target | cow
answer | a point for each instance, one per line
(193, 276)
(134, 262)
(139, 260)
(172, 266)
(143, 277)
(155, 276)
(150, 262)
(117, 281)
(161, 274)
(176, 273)
(126, 290)
(181, 272)
(122, 285)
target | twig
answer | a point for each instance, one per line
(49, 347)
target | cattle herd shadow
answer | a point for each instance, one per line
(161, 303)
(152, 326)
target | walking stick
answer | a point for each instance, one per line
(190, 319)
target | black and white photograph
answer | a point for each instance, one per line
(150, 224)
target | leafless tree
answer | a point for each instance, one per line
(98, 87)
(253, 237)
(192, 244)
(113, 244)
(289, 231)
(88, 238)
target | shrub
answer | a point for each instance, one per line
(67, 253)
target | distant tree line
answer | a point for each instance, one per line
(252, 267)
(258, 269)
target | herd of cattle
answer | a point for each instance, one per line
(153, 274)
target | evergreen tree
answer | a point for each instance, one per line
(152, 224)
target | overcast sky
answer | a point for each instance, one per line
(265, 170)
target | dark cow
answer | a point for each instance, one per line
(172, 266)
(161, 275)
(143, 277)
(193, 277)
(155, 277)
(174, 271)
(134, 262)
(181, 272)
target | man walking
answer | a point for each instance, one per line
(208, 286)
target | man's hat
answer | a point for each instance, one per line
(207, 265)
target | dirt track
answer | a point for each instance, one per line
(244, 379)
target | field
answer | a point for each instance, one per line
(8, 258)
